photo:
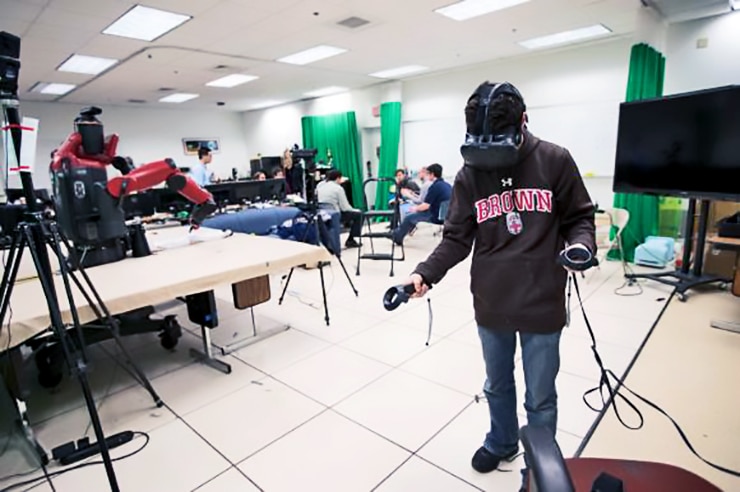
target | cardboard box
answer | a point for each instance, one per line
(720, 262)
(718, 211)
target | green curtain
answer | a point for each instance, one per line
(646, 75)
(390, 137)
(337, 139)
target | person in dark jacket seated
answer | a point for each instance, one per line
(518, 202)
(427, 211)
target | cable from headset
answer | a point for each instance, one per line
(431, 318)
(615, 391)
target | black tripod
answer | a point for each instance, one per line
(38, 233)
(322, 237)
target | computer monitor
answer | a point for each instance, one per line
(685, 145)
(223, 193)
(248, 191)
(273, 189)
(142, 204)
(167, 200)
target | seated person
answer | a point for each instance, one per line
(428, 211)
(398, 190)
(259, 176)
(418, 197)
(330, 192)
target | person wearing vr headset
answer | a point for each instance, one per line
(520, 203)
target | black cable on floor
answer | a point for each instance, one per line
(614, 391)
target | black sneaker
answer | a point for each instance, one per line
(484, 461)
(351, 243)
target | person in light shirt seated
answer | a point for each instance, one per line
(439, 191)
(330, 192)
(418, 198)
(199, 173)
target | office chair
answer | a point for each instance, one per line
(550, 472)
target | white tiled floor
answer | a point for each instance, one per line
(360, 405)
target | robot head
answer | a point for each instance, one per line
(495, 120)
(91, 130)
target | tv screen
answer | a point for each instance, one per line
(687, 145)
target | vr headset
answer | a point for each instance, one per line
(485, 150)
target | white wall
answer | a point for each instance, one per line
(269, 131)
(572, 98)
(689, 68)
(146, 135)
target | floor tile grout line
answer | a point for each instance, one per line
(232, 467)
(212, 446)
(415, 453)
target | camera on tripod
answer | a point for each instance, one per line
(308, 157)
(10, 64)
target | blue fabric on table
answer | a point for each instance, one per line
(266, 221)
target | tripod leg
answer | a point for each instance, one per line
(346, 274)
(102, 314)
(285, 287)
(37, 248)
(323, 293)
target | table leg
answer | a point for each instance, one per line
(206, 356)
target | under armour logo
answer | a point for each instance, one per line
(507, 182)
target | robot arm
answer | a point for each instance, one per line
(153, 173)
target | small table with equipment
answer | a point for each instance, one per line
(731, 244)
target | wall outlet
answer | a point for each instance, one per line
(702, 43)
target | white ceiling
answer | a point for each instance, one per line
(246, 36)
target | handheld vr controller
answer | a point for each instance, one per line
(397, 295)
(578, 259)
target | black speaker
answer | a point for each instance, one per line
(202, 309)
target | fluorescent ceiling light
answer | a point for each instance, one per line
(312, 54)
(178, 97)
(52, 88)
(566, 37)
(145, 23)
(399, 71)
(467, 9)
(326, 91)
(91, 65)
(232, 80)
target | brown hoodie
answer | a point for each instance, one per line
(520, 218)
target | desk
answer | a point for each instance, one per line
(163, 276)
(731, 244)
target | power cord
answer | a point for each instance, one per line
(49, 476)
(614, 391)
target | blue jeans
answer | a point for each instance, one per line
(541, 361)
(409, 222)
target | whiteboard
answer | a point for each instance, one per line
(587, 130)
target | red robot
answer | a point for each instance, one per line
(86, 154)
